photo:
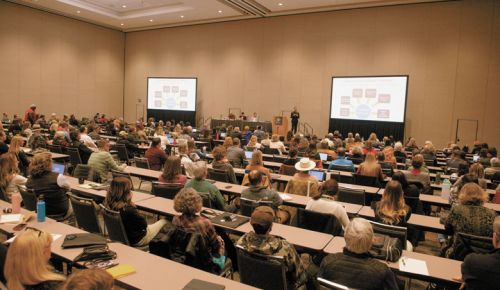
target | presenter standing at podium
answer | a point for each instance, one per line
(295, 115)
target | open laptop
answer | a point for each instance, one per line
(58, 167)
(223, 135)
(248, 154)
(319, 174)
(323, 156)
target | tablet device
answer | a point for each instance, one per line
(323, 156)
(320, 175)
(58, 168)
(248, 154)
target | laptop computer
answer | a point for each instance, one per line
(320, 175)
(58, 168)
(323, 156)
(223, 135)
(248, 154)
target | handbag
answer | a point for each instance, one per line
(96, 253)
(386, 248)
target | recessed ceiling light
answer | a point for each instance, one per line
(122, 24)
(124, 6)
(280, 4)
(78, 11)
(150, 20)
(220, 11)
(182, 16)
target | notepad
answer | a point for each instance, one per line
(413, 266)
(10, 218)
(121, 270)
(285, 196)
(54, 237)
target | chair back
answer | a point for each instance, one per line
(351, 195)
(318, 222)
(165, 190)
(271, 151)
(331, 285)
(400, 159)
(122, 152)
(86, 172)
(207, 201)
(366, 180)
(466, 244)
(117, 173)
(55, 148)
(74, 156)
(430, 162)
(287, 170)
(29, 197)
(248, 205)
(114, 225)
(218, 175)
(391, 231)
(262, 271)
(339, 167)
(341, 178)
(86, 215)
(356, 160)
(141, 162)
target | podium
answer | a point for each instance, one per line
(280, 125)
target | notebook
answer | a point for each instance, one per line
(196, 284)
(121, 270)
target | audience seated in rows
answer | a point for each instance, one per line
(172, 171)
(102, 162)
(323, 201)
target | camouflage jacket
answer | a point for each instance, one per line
(276, 246)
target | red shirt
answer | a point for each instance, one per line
(156, 158)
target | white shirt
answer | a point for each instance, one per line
(12, 187)
(327, 206)
(85, 139)
(277, 145)
(164, 141)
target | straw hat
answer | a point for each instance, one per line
(305, 164)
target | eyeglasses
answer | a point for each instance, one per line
(35, 230)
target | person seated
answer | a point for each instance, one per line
(172, 171)
(302, 183)
(221, 163)
(277, 144)
(469, 216)
(418, 173)
(480, 271)
(259, 133)
(313, 155)
(494, 168)
(228, 142)
(102, 162)
(52, 185)
(389, 156)
(119, 198)
(132, 148)
(371, 168)
(409, 190)
(16, 148)
(86, 139)
(429, 153)
(200, 184)
(83, 150)
(411, 144)
(383, 164)
(265, 140)
(456, 160)
(484, 159)
(323, 147)
(291, 160)
(341, 161)
(235, 154)
(94, 132)
(324, 201)
(189, 204)
(194, 153)
(89, 279)
(357, 156)
(257, 163)
(253, 144)
(261, 241)
(186, 162)
(236, 133)
(27, 262)
(10, 178)
(259, 192)
(368, 149)
(355, 267)
(155, 155)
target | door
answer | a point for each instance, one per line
(466, 132)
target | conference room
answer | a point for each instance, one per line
(299, 144)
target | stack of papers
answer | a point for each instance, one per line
(11, 218)
(285, 196)
(54, 237)
(413, 266)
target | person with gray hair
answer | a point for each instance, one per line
(354, 267)
(199, 171)
(494, 168)
(481, 271)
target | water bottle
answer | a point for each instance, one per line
(16, 202)
(40, 210)
(445, 189)
(438, 178)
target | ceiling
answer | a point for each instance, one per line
(131, 15)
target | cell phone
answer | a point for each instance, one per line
(19, 227)
(228, 187)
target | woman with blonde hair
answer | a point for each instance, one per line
(10, 178)
(228, 142)
(392, 209)
(277, 144)
(15, 147)
(27, 262)
(389, 156)
(371, 168)
(257, 163)
(469, 216)
(253, 143)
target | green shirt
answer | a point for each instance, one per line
(218, 201)
(102, 163)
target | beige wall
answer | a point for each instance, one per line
(62, 65)
(450, 50)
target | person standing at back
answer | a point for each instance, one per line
(30, 114)
(295, 115)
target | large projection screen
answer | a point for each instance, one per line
(366, 104)
(378, 98)
(174, 94)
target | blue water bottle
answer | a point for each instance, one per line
(40, 210)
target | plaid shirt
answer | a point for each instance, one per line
(199, 224)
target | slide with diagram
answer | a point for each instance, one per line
(178, 94)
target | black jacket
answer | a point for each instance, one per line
(481, 271)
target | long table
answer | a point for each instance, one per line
(55, 156)
(440, 270)
(266, 126)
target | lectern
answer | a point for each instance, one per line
(280, 125)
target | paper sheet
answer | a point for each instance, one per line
(285, 196)
(413, 266)
(10, 218)
(54, 237)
